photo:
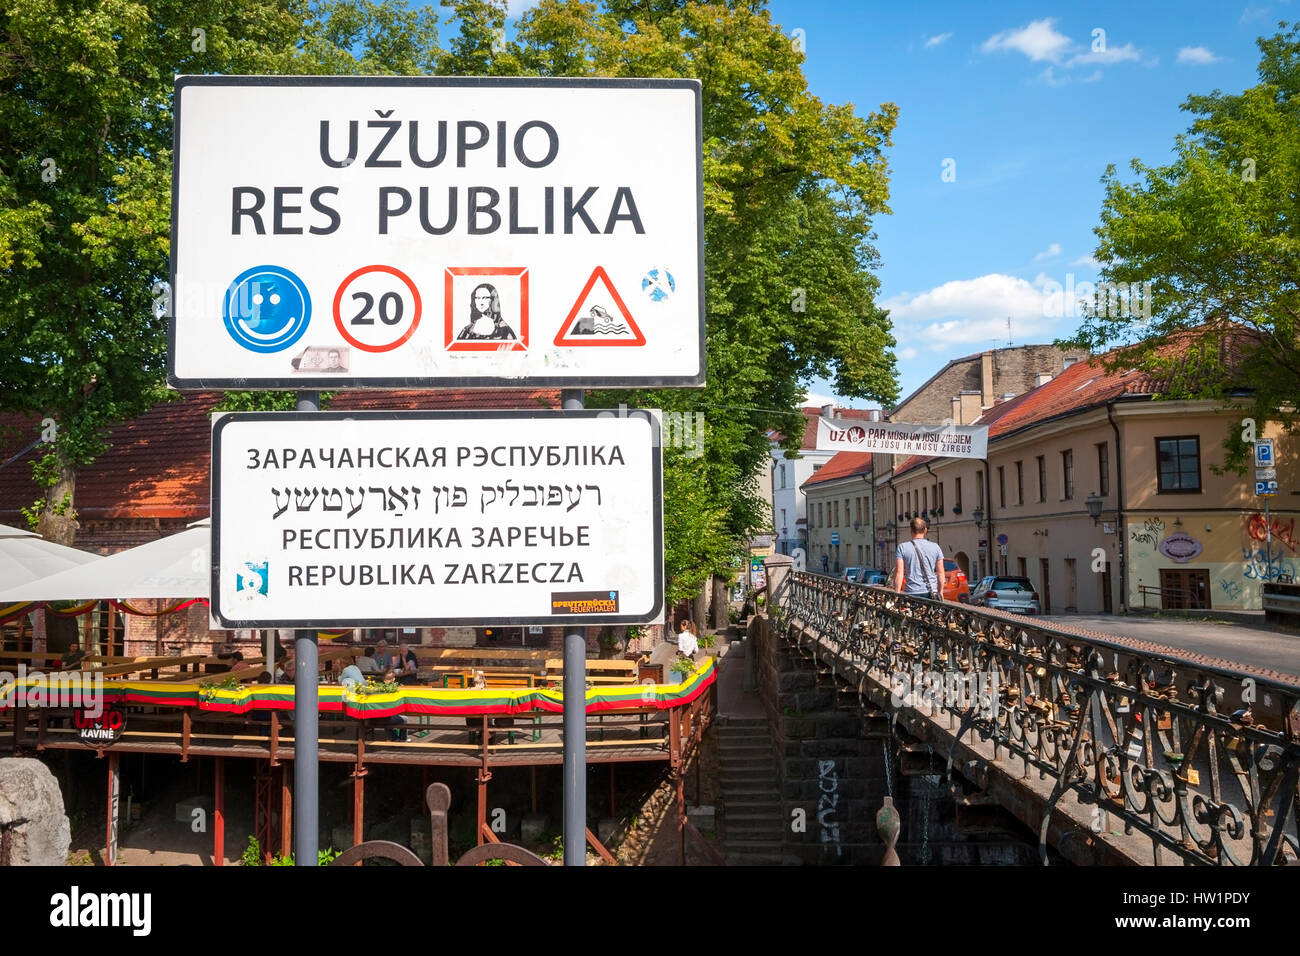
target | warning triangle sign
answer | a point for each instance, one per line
(599, 317)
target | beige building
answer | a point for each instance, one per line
(840, 518)
(1169, 531)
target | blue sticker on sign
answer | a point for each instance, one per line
(266, 309)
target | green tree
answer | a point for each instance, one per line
(1214, 233)
(790, 186)
(85, 188)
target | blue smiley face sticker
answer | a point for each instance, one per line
(266, 309)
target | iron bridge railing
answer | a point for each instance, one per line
(1210, 786)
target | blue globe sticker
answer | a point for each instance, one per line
(658, 285)
(266, 309)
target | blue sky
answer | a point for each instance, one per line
(1024, 105)
(1031, 115)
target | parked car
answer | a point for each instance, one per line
(852, 574)
(872, 576)
(955, 585)
(1016, 595)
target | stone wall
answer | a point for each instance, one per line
(831, 757)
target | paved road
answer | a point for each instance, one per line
(1233, 642)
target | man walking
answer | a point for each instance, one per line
(919, 566)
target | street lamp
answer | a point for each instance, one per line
(1093, 503)
(978, 515)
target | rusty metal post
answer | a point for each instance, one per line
(286, 813)
(358, 806)
(110, 831)
(219, 814)
(438, 798)
(484, 775)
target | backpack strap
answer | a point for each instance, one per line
(925, 571)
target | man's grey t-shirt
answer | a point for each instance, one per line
(914, 579)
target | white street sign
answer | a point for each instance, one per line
(1264, 457)
(1265, 474)
(337, 232)
(398, 519)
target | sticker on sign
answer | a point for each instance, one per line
(386, 519)
(426, 231)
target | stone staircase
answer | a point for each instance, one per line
(751, 797)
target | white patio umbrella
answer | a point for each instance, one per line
(177, 566)
(26, 557)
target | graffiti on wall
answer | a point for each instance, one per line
(1282, 530)
(1232, 590)
(1149, 533)
(1257, 563)
(828, 782)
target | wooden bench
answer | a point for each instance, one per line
(599, 671)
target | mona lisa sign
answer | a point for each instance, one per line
(406, 232)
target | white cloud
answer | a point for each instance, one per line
(1112, 54)
(973, 311)
(1253, 13)
(907, 352)
(937, 39)
(1038, 40)
(1197, 56)
(1088, 261)
(1053, 250)
(813, 398)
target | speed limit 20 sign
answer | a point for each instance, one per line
(427, 231)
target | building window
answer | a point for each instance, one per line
(1002, 487)
(1020, 482)
(1103, 468)
(925, 499)
(1067, 473)
(1042, 478)
(979, 489)
(1178, 464)
(956, 505)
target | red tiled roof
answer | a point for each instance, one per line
(159, 464)
(845, 464)
(1082, 386)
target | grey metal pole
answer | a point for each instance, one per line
(306, 726)
(1268, 542)
(575, 720)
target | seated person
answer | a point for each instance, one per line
(284, 671)
(410, 667)
(72, 657)
(237, 662)
(352, 676)
(366, 663)
(383, 658)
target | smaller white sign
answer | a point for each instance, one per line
(388, 519)
(940, 441)
(1265, 474)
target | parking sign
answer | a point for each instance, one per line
(1264, 453)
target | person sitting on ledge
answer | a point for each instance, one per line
(72, 657)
